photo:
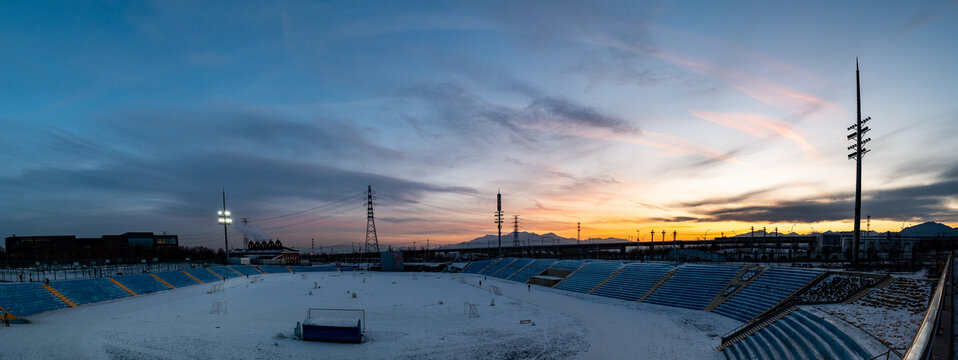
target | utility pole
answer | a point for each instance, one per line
(859, 146)
(499, 219)
(652, 239)
(674, 234)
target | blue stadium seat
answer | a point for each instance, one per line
(535, 268)
(568, 264)
(177, 278)
(274, 269)
(512, 268)
(634, 280)
(799, 335)
(693, 286)
(589, 276)
(204, 275)
(141, 283)
(224, 272)
(87, 291)
(476, 266)
(28, 299)
(768, 289)
(245, 269)
(496, 266)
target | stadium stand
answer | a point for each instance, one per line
(176, 278)
(496, 266)
(203, 275)
(224, 272)
(567, 264)
(512, 268)
(838, 287)
(87, 291)
(245, 269)
(476, 266)
(773, 286)
(589, 276)
(799, 335)
(693, 286)
(633, 281)
(28, 299)
(141, 283)
(320, 268)
(274, 269)
(537, 266)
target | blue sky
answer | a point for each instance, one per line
(692, 116)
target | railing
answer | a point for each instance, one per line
(921, 345)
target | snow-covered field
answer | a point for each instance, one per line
(405, 320)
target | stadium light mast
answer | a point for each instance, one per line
(224, 218)
(499, 219)
(858, 136)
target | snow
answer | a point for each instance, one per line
(891, 314)
(407, 318)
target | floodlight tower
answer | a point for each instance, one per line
(858, 136)
(224, 218)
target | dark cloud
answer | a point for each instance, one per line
(460, 109)
(919, 202)
(182, 181)
(564, 112)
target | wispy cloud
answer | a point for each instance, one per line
(761, 127)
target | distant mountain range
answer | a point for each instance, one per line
(527, 238)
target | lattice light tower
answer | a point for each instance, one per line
(372, 241)
(858, 136)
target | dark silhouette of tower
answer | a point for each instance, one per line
(859, 146)
(515, 232)
(499, 219)
(372, 241)
(578, 231)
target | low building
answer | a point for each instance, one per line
(267, 253)
(129, 247)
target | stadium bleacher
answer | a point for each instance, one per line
(693, 286)
(633, 281)
(567, 264)
(496, 266)
(245, 269)
(274, 269)
(176, 278)
(224, 272)
(771, 287)
(203, 275)
(512, 268)
(141, 283)
(87, 291)
(476, 266)
(799, 335)
(589, 276)
(28, 299)
(535, 268)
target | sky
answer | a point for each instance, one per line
(703, 118)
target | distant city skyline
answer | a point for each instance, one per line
(677, 116)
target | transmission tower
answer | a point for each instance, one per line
(499, 219)
(858, 136)
(515, 231)
(372, 241)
